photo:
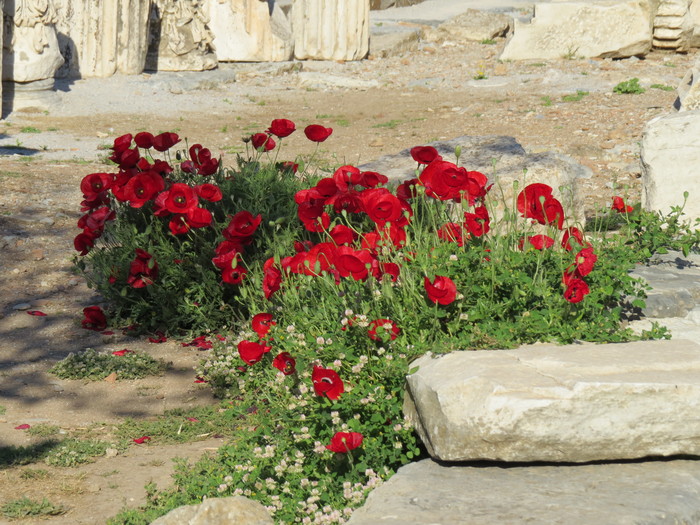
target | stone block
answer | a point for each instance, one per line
(504, 161)
(426, 493)
(471, 26)
(694, 13)
(234, 509)
(249, 31)
(103, 37)
(573, 404)
(603, 29)
(670, 155)
(330, 29)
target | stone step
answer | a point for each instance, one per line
(427, 493)
(576, 403)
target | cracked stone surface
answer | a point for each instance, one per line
(576, 403)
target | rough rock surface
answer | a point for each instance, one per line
(575, 403)
(249, 31)
(673, 25)
(472, 25)
(504, 160)
(234, 510)
(425, 493)
(330, 29)
(670, 157)
(606, 29)
(689, 90)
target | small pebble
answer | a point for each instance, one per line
(22, 306)
(49, 221)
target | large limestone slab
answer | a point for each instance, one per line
(330, 29)
(234, 510)
(425, 493)
(249, 31)
(574, 403)
(689, 90)
(605, 29)
(471, 26)
(670, 155)
(504, 161)
(102, 37)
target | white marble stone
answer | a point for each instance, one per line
(103, 37)
(330, 29)
(180, 39)
(605, 29)
(30, 47)
(575, 403)
(670, 156)
(250, 31)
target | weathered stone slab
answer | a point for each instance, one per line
(249, 31)
(425, 493)
(330, 29)
(574, 403)
(605, 29)
(670, 155)
(504, 161)
(471, 26)
(234, 509)
(689, 90)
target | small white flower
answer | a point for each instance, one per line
(453, 257)
(320, 340)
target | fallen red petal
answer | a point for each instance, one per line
(37, 313)
(193, 419)
(107, 332)
(142, 439)
(25, 426)
(122, 352)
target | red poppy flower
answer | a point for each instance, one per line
(576, 290)
(178, 225)
(143, 270)
(199, 217)
(444, 180)
(200, 161)
(142, 188)
(327, 383)
(262, 323)
(242, 226)
(351, 262)
(37, 313)
(23, 426)
(407, 189)
(536, 202)
(442, 290)
(381, 325)
(620, 207)
(200, 380)
(95, 319)
(144, 140)
(381, 206)
(272, 278)
(571, 234)
(120, 353)
(234, 275)
(281, 127)
(370, 179)
(200, 342)
(585, 260)
(122, 143)
(209, 192)
(262, 142)
(342, 234)
(252, 352)
(180, 198)
(424, 154)
(540, 242)
(285, 363)
(95, 183)
(479, 222)
(141, 440)
(165, 141)
(451, 232)
(317, 133)
(344, 442)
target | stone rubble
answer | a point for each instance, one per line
(232, 510)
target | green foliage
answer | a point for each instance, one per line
(28, 508)
(43, 430)
(574, 97)
(488, 41)
(546, 100)
(629, 87)
(662, 87)
(73, 452)
(30, 129)
(2, 410)
(93, 365)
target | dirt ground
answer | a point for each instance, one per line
(422, 95)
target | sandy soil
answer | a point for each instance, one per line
(419, 96)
